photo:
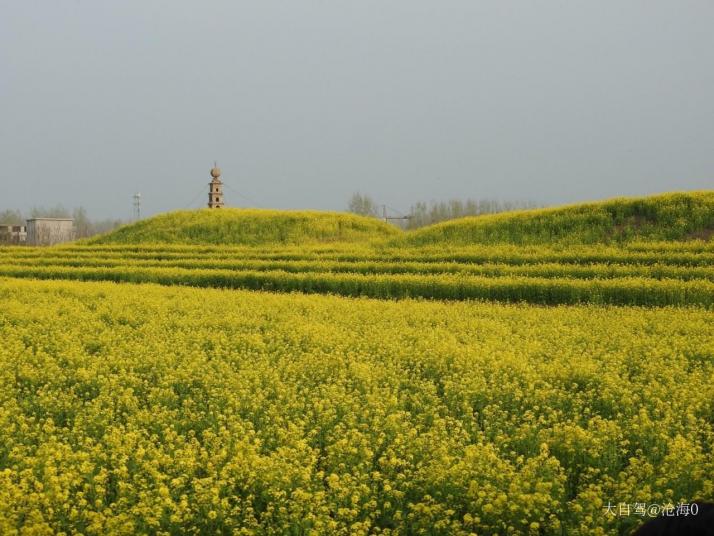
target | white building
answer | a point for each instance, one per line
(49, 231)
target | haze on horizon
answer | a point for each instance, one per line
(304, 103)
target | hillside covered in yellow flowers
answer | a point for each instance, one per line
(270, 373)
(680, 216)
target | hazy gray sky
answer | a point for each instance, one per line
(304, 102)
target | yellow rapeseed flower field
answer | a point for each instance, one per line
(147, 409)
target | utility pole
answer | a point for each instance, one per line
(137, 206)
(388, 218)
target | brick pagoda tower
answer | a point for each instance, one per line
(215, 189)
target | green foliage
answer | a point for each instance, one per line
(249, 226)
(663, 275)
(672, 216)
(550, 291)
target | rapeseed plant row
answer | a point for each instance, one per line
(680, 246)
(128, 409)
(501, 254)
(547, 270)
(535, 274)
(555, 290)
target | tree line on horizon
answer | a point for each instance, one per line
(427, 213)
(420, 214)
(83, 224)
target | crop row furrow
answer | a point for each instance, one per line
(620, 291)
(484, 256)
(548, 270)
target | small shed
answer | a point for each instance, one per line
(12, 234)
(49, 231)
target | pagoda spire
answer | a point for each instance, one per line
(215, 188)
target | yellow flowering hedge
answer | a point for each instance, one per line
(150, 409)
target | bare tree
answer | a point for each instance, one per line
(58, 211)
(428, 213)
(362, 204)
(422, 213)
(11, 217)
(82, 224)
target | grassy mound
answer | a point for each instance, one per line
(250, 227)
(672, 216)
